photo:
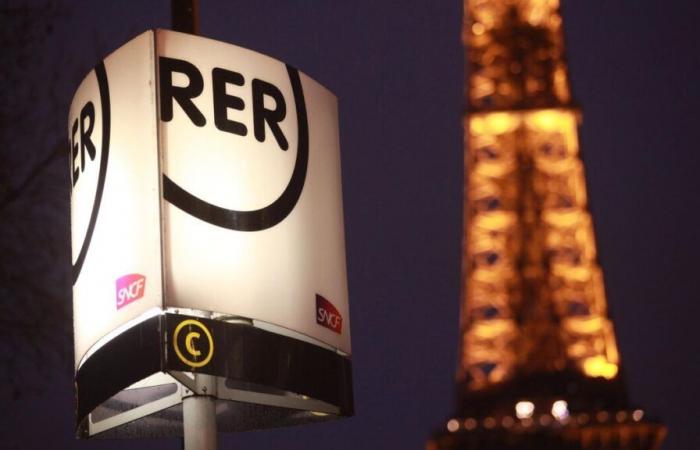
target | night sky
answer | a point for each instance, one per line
(396, 67)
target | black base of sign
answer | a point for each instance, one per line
(245, 357)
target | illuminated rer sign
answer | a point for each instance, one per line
(262, 117)
(206, 214)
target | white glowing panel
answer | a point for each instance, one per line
(252, 217)
(115, 209)
(206, 177)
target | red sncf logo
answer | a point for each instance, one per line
(327, 315)
(130, 288)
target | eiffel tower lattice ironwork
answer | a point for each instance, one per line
(539, 367)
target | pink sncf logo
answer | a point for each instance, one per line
(327, 315)
(130, 288)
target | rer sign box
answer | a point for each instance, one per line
(205, 183)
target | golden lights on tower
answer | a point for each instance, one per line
(539, 366)
(534, 294)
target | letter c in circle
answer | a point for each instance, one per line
(191, 355)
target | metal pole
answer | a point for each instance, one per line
(199, 422)
(199, 414)
(185, 15)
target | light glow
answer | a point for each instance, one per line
(452, 425)
(560, 410)
(524, 409)
(470, 423)
(551, 120)
(598, 366)
(637, 415)
(495, 123)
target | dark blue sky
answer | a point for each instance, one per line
(396, 67)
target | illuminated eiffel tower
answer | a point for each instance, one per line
(539, 367)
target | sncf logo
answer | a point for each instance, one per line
(130, 288)
(327, 315)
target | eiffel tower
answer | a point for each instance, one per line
(539, 366)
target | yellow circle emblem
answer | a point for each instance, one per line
(190, 348)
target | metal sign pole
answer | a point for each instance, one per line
(199, 422)
(199, 415)
(185, 15)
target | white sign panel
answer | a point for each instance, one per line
(115, 207)
(253, 221)
(205, 177)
